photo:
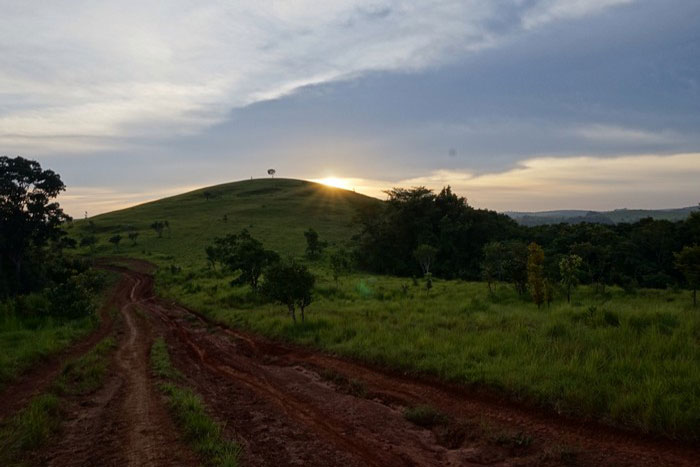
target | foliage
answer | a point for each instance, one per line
(569, 269)
(535, 273)
(411, 217)
(159, 227)
(133, 235)
(290, 284)
(340, 263)
(115, 239)
(425, 416)
(243, 253)
(29, 221)
(314, 247)
(425, 255)
(688, 262)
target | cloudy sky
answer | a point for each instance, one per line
(518, 104)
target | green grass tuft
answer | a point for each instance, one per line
(29, 428)
(425, 416)
(199, 429)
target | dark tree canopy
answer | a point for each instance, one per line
(290, 284)
(29, 219)
(243, 253)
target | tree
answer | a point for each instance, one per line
(516, 265)
(29, 220)
(535, 273)
(89, 241)
(158, 226)
(425, 255)
(115, 241)
(493, 267)
(271, 172)
(314, 247)
(290, 284)
(241, 252)
(569, 269)
(688, 263)
(208, 195)
(133, 236)
(340, 264)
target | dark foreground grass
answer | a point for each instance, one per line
(627, 360)
(32, 427)
(199, 429)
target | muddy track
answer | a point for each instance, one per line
(279, 401)
(294, 406)
(124, 423)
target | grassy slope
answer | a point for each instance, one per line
(631, 360)
(277, 211)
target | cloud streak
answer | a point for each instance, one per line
(74, 69)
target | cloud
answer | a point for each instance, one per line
(152, 69)
(645, 181)
(622, 135)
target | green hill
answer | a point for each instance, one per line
(276, 211)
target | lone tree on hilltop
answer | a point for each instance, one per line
(271, 172)
(569, 269)
(535, 273)
(425, 255)
(290, 284)
(29, 220)
(688, 262)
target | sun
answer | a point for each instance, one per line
(335, 182)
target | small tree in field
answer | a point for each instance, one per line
(115, 241)
(535, 273)
(207, 195)
(569, 269)
(425, 255)
(241, 252)
(290, 284)
(688, 263)
(158, 226)
(271, 172)
(340, 264)
(314, 247)
(493, 267)
(133, 236)
(89, 241)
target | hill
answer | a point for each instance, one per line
(277, 211)
(617, 216)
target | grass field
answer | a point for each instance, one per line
(631, 360)
(278, 211)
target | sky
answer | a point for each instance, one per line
(521, 105)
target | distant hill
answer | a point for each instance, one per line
(276, 211)
(599, 217)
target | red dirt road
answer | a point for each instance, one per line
(292, 406)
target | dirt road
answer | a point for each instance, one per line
(292, 406)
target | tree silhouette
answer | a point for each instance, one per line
(271, 172)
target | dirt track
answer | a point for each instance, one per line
(293, 406)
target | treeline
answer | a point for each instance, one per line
(474, 243)
(35, 274)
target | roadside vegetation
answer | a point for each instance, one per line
(48, 296)
(34, 425)
(202, 433)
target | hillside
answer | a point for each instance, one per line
(277, 211)
(616, 216)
